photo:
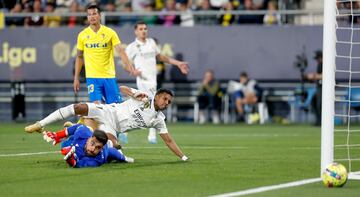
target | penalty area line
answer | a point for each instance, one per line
(268, 188)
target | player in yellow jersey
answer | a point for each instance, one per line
(95, 48)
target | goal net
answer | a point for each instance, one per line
(341, 85)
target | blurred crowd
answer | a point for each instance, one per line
(345, 10)
(166, 8)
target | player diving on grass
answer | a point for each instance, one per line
(136, 112)
(84, 148)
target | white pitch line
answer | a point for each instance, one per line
(268, 188)
(28, 154)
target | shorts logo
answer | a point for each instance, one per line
(90, 88)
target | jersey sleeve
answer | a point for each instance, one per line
(114, 154)
(160, 125)
(80, 42)
(115, 40)
(130, 52)
(82, 132)
(71, 130)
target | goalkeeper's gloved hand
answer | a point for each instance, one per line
(70, 155)
(55, 137)
(51, 137)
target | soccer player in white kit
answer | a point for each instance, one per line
(137, 112)
(144, 52)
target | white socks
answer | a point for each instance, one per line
(60, 114)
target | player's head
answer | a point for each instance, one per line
(141, 30)
(93, 14)
(209, 74)
(318, 55)
(243, 77)
(95, 143)
(163, 98)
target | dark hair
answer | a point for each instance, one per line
(318, 54)
(100, 136)
(210, 71)
(164, 90)
(139, 23)
(243, 74)
(93, 6)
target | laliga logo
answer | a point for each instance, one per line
(61, 53)
(15, 56)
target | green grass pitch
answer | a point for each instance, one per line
(224, 158)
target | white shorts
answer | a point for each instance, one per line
(148, 88)
(105, 115)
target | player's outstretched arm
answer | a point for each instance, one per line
(170, 142)
(134, 93)
(183, 66)
(128, 66)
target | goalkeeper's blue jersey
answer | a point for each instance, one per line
(78, 136)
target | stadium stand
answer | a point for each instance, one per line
(70, 12)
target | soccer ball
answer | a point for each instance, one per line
(335, 175)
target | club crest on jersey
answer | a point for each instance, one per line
(145, 106)
(90, 88)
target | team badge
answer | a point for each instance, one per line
(147, 105)
(61, 53)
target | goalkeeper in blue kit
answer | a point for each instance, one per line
(84, 148)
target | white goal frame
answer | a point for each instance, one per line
(328, 87)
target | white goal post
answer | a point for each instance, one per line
(329, 82)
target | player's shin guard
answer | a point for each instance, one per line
(60, 114)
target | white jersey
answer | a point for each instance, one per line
(128, 115)
(249, 87)
(143, 55)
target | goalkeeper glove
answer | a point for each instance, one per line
(53, 137)
(70, 155)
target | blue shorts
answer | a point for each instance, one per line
(103, 89)
(238, 94)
